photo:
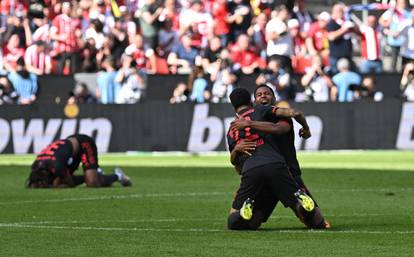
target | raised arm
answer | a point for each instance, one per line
(298, 116)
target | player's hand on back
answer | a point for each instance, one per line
(239, 123)
(305, 133)
(246, 147)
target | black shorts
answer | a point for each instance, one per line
(266, 203)
(88, 152)
(271, 178)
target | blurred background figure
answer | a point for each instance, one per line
(199, 85)
(7, 93)
(24, 83)
(344, 79)
(370, 46)
(278, 79)
(367, 90)
(108, 89)
(392, 21)
(37, 58)
(132, 84)
(318, 85)
(81, 95)
(180, 94)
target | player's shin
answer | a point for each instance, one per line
(313, 219)
(108, 180)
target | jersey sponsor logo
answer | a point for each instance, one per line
(35, 134)
(209, 131)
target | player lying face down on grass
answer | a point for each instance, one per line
(54, 167)
(284, 137)
(263, 169)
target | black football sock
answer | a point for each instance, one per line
(107, 180)
(236, 222)
(77, 180)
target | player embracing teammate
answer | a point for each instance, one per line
(261, 141)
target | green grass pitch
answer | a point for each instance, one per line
(178, 207)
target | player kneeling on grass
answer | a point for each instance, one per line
(55, 165)
(263, 170)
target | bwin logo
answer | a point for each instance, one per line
(41, 132)
(207, 132)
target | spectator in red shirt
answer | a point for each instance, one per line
(221, 25)
(299, 47)
(243, 56)
(37, 59)
(66, 33)
(370, 46)
(140, 55)
(12, 52)
(317, 41)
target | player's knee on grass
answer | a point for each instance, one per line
(236, 222)
(92, 178)
(312, 220)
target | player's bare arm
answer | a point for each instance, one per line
(243, 147)
(263, 126)
(298, 116)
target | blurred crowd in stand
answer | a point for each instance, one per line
(333, 54)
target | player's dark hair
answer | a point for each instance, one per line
(240, 97)
(266, 86)
(39, 176)
(39, 179)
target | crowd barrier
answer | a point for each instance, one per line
(159, 126)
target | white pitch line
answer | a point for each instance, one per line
(112, 197)
(188, 194)
(202, 230)
(169, 220)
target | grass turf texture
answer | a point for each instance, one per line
(178, 207)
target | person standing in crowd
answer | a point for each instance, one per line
(407, 38)
(199, 85)
(148, 19)
(370, 47)
(279, 40)
(318, 85)
(108, 88)
(239, 19)
(392, 21)
(132, 84)
(317, 40)
(346, 81)
(24, 83)
(66, 33)
(339, 35)
(304, 17)
(37, 58)
(257, 33)
(12, 52)
(195, 19)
